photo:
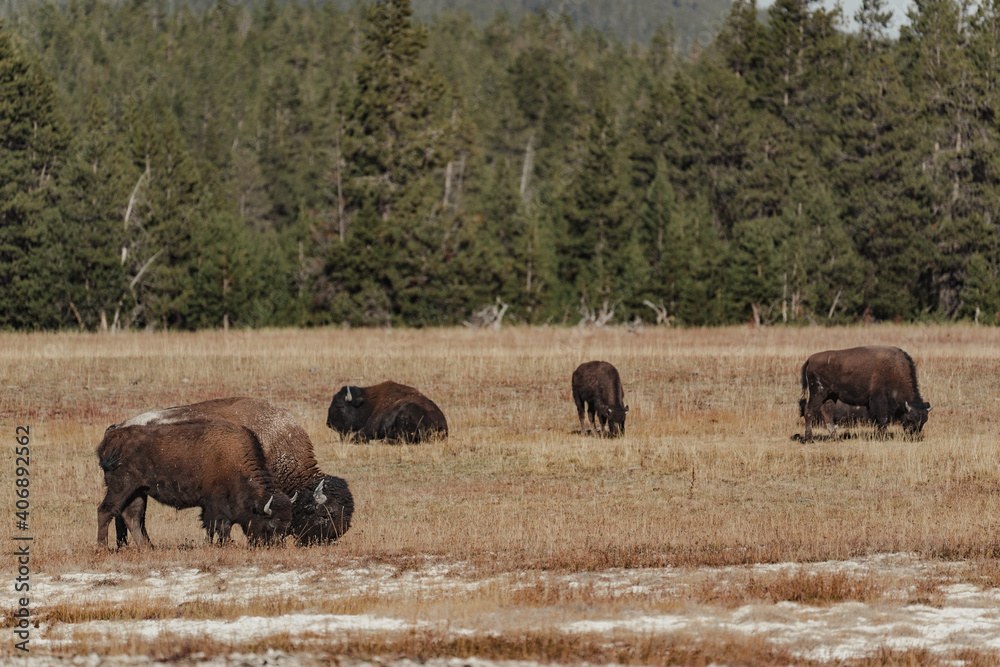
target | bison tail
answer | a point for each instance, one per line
(805, 391)
(110, 459)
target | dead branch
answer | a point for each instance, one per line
(661, 312)
(488, 316)
(135, 193)
(596, 318)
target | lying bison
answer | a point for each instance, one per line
(216, 466)
(389, 411)
(883, 380)
(597, 384)
(322, 505)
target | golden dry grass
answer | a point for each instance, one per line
(707, 474)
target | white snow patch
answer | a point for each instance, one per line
(243, 629)
(839, 632)
(969, 617)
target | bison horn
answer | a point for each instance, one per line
(267, 507)
(908, 406)
(929, 406)
(348, 397)
(318, 494)
(294, 496)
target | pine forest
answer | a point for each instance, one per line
(266, 164)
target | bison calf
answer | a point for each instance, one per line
(216, 466)
(881, 379)
(837, 413)
(597, 384)
(389, 411)
(322, 505)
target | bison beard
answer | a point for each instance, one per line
(216, 466)
(322, 505)
(883, 380)
(597, 385)
(389, 411)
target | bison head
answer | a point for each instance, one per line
(271, 519)
(915, 416)
(616, 420)
(348, 410)
(322, 513)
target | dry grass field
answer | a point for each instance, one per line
(689, 540)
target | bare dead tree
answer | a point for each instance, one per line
(526, 169)
(833, 308)
(488, 316)
(596, 318)
(661, 312)
(135, 194)
(341, 219)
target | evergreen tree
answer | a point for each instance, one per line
(397, 159)
(96, 188)
(598, 253)
(32, 145)
(981, 291)
(755, 273)
(382, 172)
(666, 247)
(822, 276)
(885, 193)
(943, 80)
(540, 82)
(168, 210)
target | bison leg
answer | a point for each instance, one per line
(878, 410)
(121, 532)
(591, 411)
(224, 528)
(216, 524)
(105, 512)
(603, 418)
(827, 411)
(111, 507)
(817, 396)
(579, 410)
(407, 426)
(133, 517)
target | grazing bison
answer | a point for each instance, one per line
(216, 466)
(322, 505)
(597, 384)
(883, 380)
(389, 411)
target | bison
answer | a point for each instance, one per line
(837, 412)
(216, 466)
(597, 384)
(881, 379)
(389, 411)
(322, 504)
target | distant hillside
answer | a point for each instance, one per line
(629, 20)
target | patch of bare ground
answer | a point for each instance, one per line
(705, 535)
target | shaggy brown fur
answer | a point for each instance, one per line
(881, 379)
(597, 384)
(390, 411)
(216, 466)
(323, 504)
